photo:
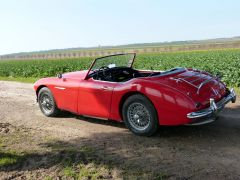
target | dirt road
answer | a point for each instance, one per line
(210, 151)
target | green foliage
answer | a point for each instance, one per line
(87, 171)
(69, 172)
(41, 68)
(224, 62)
(9, 158)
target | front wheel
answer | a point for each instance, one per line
(47, 103)
(140, 115)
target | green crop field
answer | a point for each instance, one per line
(225, 62)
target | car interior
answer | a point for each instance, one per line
(119, 74)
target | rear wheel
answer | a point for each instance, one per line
(140, 115)
(47, 103)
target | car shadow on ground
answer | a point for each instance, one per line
(66, 114)
(227, 119)
(102, 122)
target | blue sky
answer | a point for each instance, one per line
(31, 25)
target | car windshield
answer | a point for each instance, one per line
(119, 60)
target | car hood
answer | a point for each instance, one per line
(77, 74)
(198, 85)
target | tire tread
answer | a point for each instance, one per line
(143, 99)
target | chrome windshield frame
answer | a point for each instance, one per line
(95, 60)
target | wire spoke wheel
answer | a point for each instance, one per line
(139, 116)
(46, 103)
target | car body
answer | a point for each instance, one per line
(178, 96)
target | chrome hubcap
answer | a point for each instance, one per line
(46, 103)
(138, 116)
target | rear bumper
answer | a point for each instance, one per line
(209, 114)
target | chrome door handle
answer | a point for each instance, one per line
(105, 88)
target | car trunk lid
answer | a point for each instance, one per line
(199, 85)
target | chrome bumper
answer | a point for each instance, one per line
(209, 114)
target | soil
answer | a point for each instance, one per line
(184, 152)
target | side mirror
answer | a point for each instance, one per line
(59, 76)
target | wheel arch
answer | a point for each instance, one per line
(127, 95)
(38, 89)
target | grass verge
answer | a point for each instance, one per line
(237, 89)
(19, 79)
(39, 156)
(9, 158)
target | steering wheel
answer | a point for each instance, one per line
(102, 70)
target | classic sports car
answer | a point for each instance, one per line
(143, 99)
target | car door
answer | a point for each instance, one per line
(65, 92)
(94, 98)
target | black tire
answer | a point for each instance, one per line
(144, 115)
(47, 103)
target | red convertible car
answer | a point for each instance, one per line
(143, 99)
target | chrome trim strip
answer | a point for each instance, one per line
(203, 83)
(94, 117)
(194, 73)
(214, 107)
(200, 75)
(189, 83)
(61, 88)
(110, 82)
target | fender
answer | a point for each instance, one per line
(166, 100)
